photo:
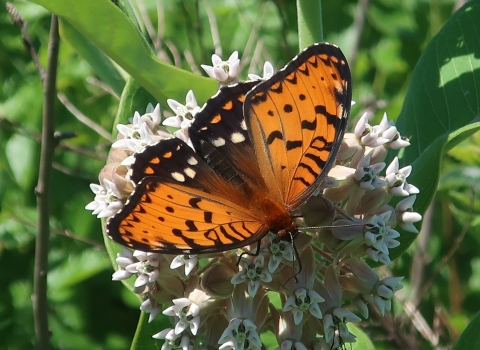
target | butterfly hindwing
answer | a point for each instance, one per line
(296, 120)
(179, 206)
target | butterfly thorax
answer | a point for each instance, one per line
(279, 220)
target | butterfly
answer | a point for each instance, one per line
(262, 148)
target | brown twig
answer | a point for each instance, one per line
(191, 62)
(83, 118)
(104, 86)
(254, 42)
(60, 232)
(358, 23)
(40, 302)
(70, 172)
(452, 250)
(420, 256)
(148, 24)
(7, 124)
(214, 30)
(27, 41)
(176, 55)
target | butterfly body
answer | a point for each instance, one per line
(261, 150)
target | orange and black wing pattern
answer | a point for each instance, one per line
(181, 206)
(261, 149)
(296, 121)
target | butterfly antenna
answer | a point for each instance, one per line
(257, 253)
(296, 258)
(327, 226)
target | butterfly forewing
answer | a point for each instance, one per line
(296, 121)
(219, 134)
(221, 122)
(180, 205)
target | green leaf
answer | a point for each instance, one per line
(442, 105)
(470, 338)
(77, 269)
(100, 63)
(310, 28)
(134, 98)
(107, 27)
(21, 153)
(443, 95)
(143, 336)
(363, 341)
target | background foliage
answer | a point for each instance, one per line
(383, 40)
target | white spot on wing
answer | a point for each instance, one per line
(218, 142)
(190, 172)
(243, 125)
(237, 137)
(179, 177)
(192, 161)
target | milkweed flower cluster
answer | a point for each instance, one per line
(218, 301)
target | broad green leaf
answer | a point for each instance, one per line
(269, 340)
(363, 341)
(77, 269)
(470, 338)
(143, 336)
(134, 98)
(310, 27)
(444, 92)
(107, 27)
(442, 105)
(21, 153)
(100, 63)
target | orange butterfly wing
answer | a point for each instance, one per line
(260, 164)
(297, 120)
(183, 206)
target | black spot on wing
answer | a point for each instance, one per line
(191, 225)
(331, 118)
(309, 169)
(194, 202)
(273, 136)
(320, 163)
(207, 216)
(309, 125)
(304, 70)
(278, 88)
(287, 108)
(302, 180)
(292, 79)
(293, 144)
(240, 233)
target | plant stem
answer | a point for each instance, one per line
(43, 189)
(310, 28)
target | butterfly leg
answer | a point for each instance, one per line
(257, 253)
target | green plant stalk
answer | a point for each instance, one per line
(43, 189)
(310, 28)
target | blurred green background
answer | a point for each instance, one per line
(382, 39)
